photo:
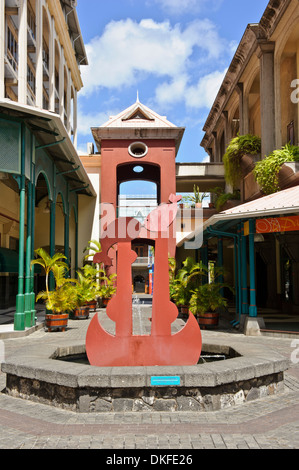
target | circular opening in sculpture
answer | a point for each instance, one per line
(138, 150)
(138, 169)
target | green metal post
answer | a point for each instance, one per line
(52, 239)
(28, 259)
(33, 311)
(236, 275)
(76, 249)
(220, 261)
(67, 237)
(252, 307)
(19, 318)
(239, 269)
(245, 307)
(205, 259)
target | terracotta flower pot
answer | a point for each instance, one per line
(247, 163)
(92, 305)
(183, 310)
(105, 302)
(81, 313)
(208, 320)
(56, 321)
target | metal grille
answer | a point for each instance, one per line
(10, 147)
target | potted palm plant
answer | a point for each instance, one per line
(107, 288)
(92, 275)
(85, 293)
(205, 302)
(185, 280)
(60, 301)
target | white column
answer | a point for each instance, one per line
(2, 48)
(68, 98)
(61, 85)
(75, 119)
(243, 110)
(52, 66)
(22, 67)
(266, 56)
(39, 54)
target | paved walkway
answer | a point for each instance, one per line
(268, 423)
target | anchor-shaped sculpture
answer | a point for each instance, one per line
(160, 347)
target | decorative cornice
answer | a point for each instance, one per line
(255, 39)
(64, 38)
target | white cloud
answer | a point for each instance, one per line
(128, 51)
(173, 92)
(88, 120)
(200, 95)
(203, 94)
(176, 7)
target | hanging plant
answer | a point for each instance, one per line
(223, 198)
(266, 171)
(238, 147)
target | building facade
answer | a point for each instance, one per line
(259, 96)
(42, 179)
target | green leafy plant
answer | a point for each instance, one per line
(224, 197)
(266, 171)
(48, 262)
(185, 281)
(172, 271)
(62, 297)
(94, 247)
(107, 286)
(85, 290)
(207, 298)
(239, 146)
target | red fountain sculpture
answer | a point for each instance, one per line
(160, 347)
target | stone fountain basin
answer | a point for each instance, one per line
(251, 372)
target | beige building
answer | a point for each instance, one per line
(46, 197)
(259, 95)
(260, 92)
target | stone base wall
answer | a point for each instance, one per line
(144, 399)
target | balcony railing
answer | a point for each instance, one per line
(142, 260)
(139, 212)
(12, 60)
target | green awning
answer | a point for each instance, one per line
(9, 261)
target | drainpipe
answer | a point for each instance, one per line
(236, 239)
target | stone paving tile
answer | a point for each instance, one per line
(269, 423)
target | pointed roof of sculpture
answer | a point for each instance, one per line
(137, 121)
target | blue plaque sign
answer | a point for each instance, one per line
(165, 380)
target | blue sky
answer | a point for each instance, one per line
(174, 52)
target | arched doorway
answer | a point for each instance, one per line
(42, 224)
(139, 284)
